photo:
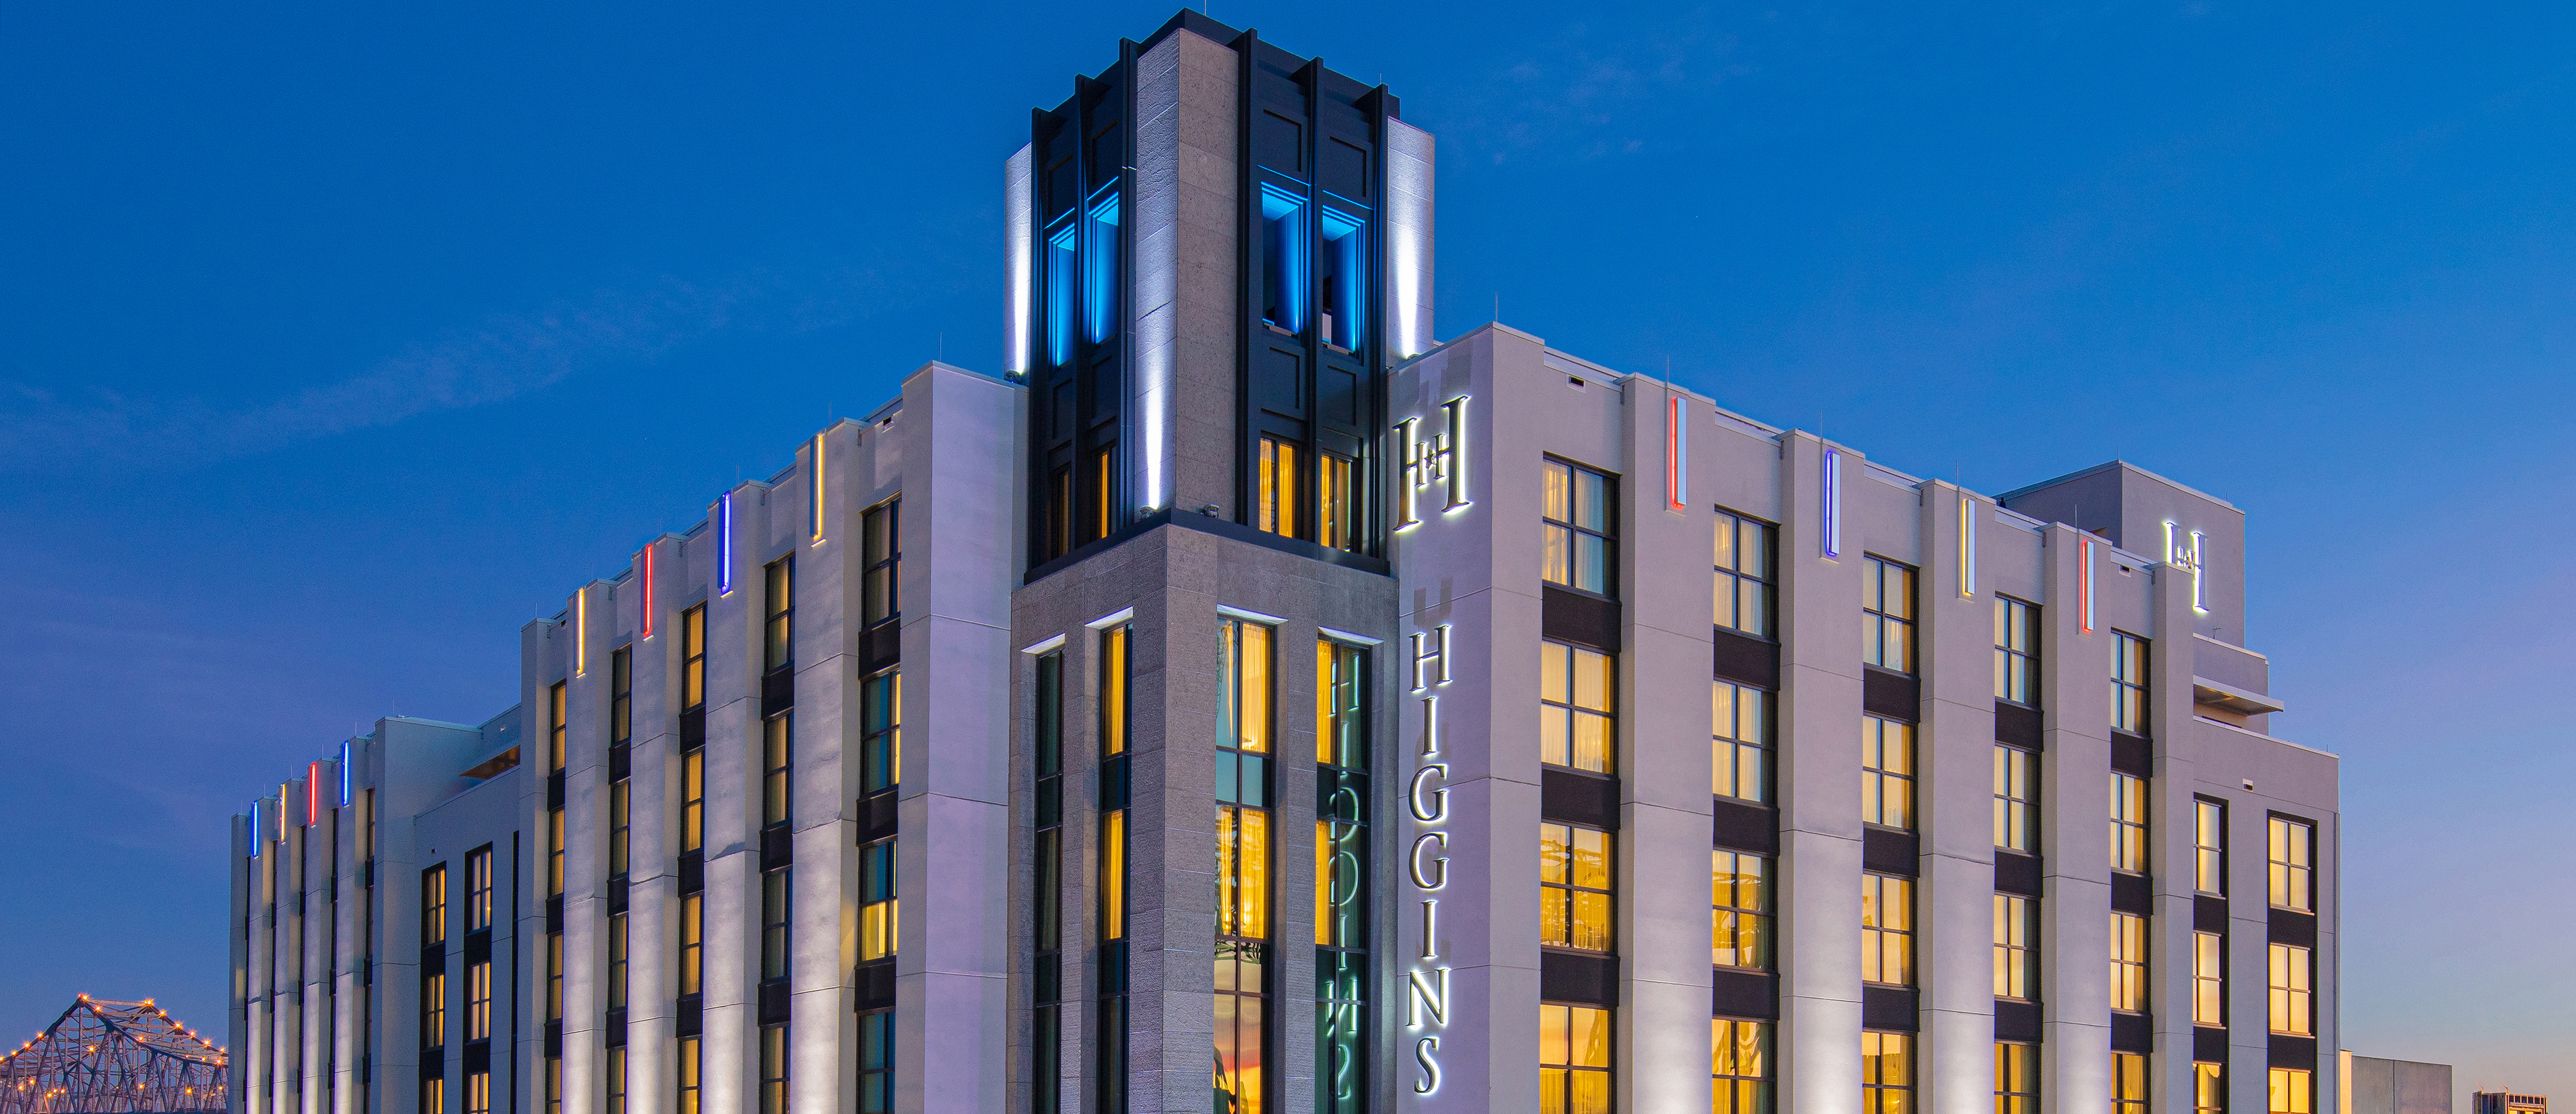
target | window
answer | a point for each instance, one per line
(777, 768)
(1277, 510)
(2209, 847)
(2208, 979)
(1574, 887)
(2016, 1079)
(693, 658)
(881, 554)
(773, 1069)
(2208, 1089)
(1573, 1059)
(877, 903)
(1046, 1031)
(2289, 997)
(2128, 1083)
(433, 1009)
(2016, 651)
(1344, 278)
(621, 696)
(1739, 1066)
(2287, 869)
(2016, 947)
(478, 1093)
(2289, 1090)
(1887, 615)
(554, 976)
(1886, 772)
(478, 1001)
(1063, 289)
(779, 645)
(1739, 910)
(1886, 929)
(1337, 502)
(1100, 265)
(1739, 741)
(433, 1094)
(2128, 963)
(1886, 1073)
(775, 899)
(1115, 680)
(1744, 564)
(2128, 683)
(558, 709)
(1578, 697)
(616, 1080)
(693, 800)
(881, 727)
(693, 940)
(1284, 258)
(617, 961)
(433, 906)
(687, 1073)
(1578, 527)
(1341, 878)
(621, 809)
(2129, 823)
(554, 1084)
(1097, 517)
(1244, 690)
(554, 852)
(2016, 799)
(876, 1062)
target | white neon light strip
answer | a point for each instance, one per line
(1833, 504)
(2084, 579)
(1967, 547)
(724, 545)
(1676, 455)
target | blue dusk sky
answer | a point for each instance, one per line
(338, 342)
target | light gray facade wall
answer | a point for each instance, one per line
(2397, 1086)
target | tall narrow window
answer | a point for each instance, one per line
(779, 628)
(686, 1071)
(2209, 1089)
(876, 1062)
(1284, 255)
(478, 1093)
(1574, 891)
(1739, 910)
(693, 939)
(1063, 291)
(2016, 651)
(773, 1069)
(2016, 799)
(693, 658)
(1277, 510)
(2209, 848)
(2290, 1090)
(1343, 278)
(554, 852)
(1744, 575)
(1573, 1059)
(433, 906)
(478, 1001)
(1341, 878)
(554, 976)
(621, 717)
(1887, 929)
(2128, 823)
(1886, 772)
(2286, 871)
(1100, 265)
(881, 732)
(433, 1095)
(2128, 963)
(693, 800)
(2016, 947)
(2208, 979)
(777, 768)
(775, 902)
(2128, 1083)
(617, 961)
(554, 1085)
(621, 696)
(1336, 502)
(478, 889)
(2016, 1078)
(1116, 681)
(558, 721)
(557, 736)
(1739, 1066)
(2289, 990)
(1577, 694)
(1887, 615)
(1046, 1035)
(1578, 524)
(616, 1073)
(1739, 741)
(1243, 862)
(621, 809)
(1886, 1073)
(2128, 683)
(1099, 519)
(878, 907)
(433, 1009)
(881, 552)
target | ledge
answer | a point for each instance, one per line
(2234, 698)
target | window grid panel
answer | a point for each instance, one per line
(1740, 719)
(1887, 615)
(2289, 997)
(1886, 1073)
(1575, 897)
(2287, 870)
(1740, 910)
(1577, 527)
(2208, 979)
(2016, 946)
(1887, 929)
(2128, 963)
(1887, 772)
(2209, 847)
(2016, 651)
(2128, 823)
(1745, 559)
(1574, 1059)
(1739, 1054)
(2016, 1078)
(2128, 683)
(2128, 1083)
(2016, 799)
(1578, 693)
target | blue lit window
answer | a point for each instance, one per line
(1100, 266)
(1059, 290)
(1283, 258)
(1345, 277)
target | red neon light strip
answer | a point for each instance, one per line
(648, 590)
(312, 793)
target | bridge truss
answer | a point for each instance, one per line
(103, 1057)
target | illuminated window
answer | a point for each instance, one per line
(478, 1001)
(773, 1069)
(693, 939)
(2209, 847)
(2291, 1090)
(2016, 947)
(1578, 520)
(616, 1074)
(2128, 963)
(2016, 651)
(776, 899)
(1739, 910)
(433, 1094)
(1744, 574)
(1574, 887)
(876, 1062)
(2208, 1089)
(558, 710)
(1336, 502)
(1739, 741)
(779, 645)
(617, 961)
(1341, 877)
(433, 906)
(1099, 515)
(1573, 1060)
(2128, 1083)
(554, 974)
(693, 658)
(621, 807)
(878, 907)
(433, 1009)
(687, 1072)
(1344, 278)
(1578, 694)
(1277, 510)
(1115, 681)
(2289, 990)
(478, 1093)
(621, 696)
(2208, 979)
(693, 800)
(2289, 844)
(1886, 772)
(1886, 929)
(777, 768)
(478, 889)
(1886, 1073)
(881, 556)
(2128, 683)
(1243, 780)
(554, 852)
(554, 1085)
(2016, 1079)
(1062, 279)
(2016, 799)
(2129, 823)
(1100, 265)
(881, 732)
(1284, 258)
(1739, 1066)
(1887, 615)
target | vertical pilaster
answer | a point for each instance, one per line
(1955, 764)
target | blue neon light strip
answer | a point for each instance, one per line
(345, 797)
(724, 546)
(1060, 279)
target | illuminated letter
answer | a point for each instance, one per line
(1427, 992)
(1407, 456)
(1453, 463)
(1438, 809)
(1430, 928)
(1422, 1050)
(1439, 863)
(1430, 725)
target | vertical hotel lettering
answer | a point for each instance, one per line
(1426, 998)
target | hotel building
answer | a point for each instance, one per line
(1244, 702)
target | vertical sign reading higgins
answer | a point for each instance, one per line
(1426, 998)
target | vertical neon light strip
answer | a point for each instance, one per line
(819, 440)
(1967, 547)
(254, 829)
(2084, 579)
(724, 545)
(2199, 598)
(1676, 456)
(346, 753)
(647, 621)
(1833, 504)
(312, 793)
(581, 631)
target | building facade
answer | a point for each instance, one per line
(1306, 714)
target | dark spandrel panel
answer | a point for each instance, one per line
(773, 1002)
(1579, 618)
(1746, 659)
(433, 959)
(1279, 143)
(478, 947)
(1744, 826)
(554, 913)
(1888, 1008)
(689, 1017)
(617, 894)
(1345, 167)
(1113, 967)
(1885, 692)
(1046, 979)
(1113, 783)
(693, 728)
(881, 647)
(2133, 893)
(693, 872)
(433, 1060)
(777, 847)
(478, 1056)
(2288, 927)
(1888, 851)
(1279, 381)
(1576, 977)
(1579, 798)
(2016, 1020)
(877, 816)
(554, 1038)
(1746, 994)
(2017, 873)
(875, 983)
(620, 765)
(2293, 1052)
(2133, 1032)
(555, 789)
(2019, 725)
(1338, 396)
(2208, 914)
(2208, 1045)
(2132, 754)
(777, 691)
(612, 1029)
